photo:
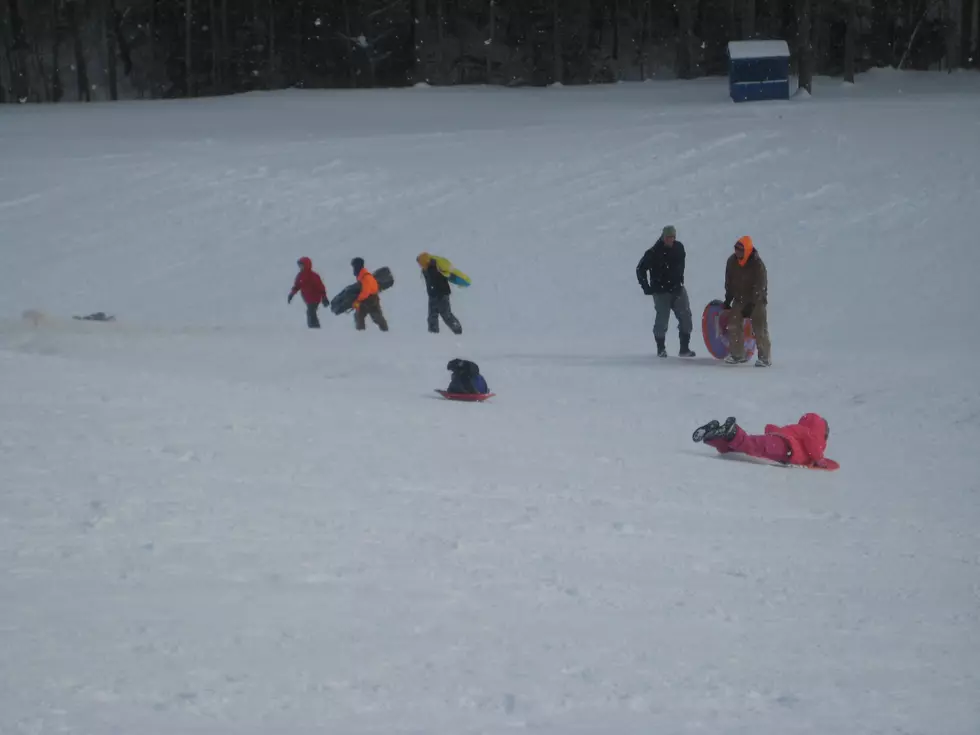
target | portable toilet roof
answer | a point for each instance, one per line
(741, 50)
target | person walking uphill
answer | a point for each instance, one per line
(367, 303)
(660, 273)
(310, 285)
(436, 271)
(747, 296)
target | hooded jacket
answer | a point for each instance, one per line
(308, 283)
(807, 438)
(746, 280)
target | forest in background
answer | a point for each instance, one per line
(71, 50)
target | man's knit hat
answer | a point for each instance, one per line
(669, 231)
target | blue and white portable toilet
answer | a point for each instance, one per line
(758, 70)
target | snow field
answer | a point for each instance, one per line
(214, 520)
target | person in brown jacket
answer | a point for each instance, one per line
(746, 296)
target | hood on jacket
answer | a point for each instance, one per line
(305, 263)
(746, 242)
(816, 423)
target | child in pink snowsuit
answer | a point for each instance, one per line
(802, 443)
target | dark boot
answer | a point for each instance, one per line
(702, 431)
(661, 347)
(686, 346)
(713, 430)
(726, 431)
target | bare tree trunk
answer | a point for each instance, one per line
(686, 12)
(19, 54)
(441, 39)
(272, 40)
(45, 94)
(419, 11)
(615, 25)
(298, 64)
(804, 44)
(490, 40)
(643, 9)
(57, 90)
(151, 34)
(748, 18)
(915, 32)
(188, 46)
(84, 92)
(352, 66)
(975, 33)
(122, 45)
(109, 39)
(776, 18)
(224, 61)
(850, 41)
(954, 34)
(215, 41)
(649, 21)
(556, 50)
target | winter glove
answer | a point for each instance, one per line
(326, 301)
(728, 302)
(648, 291)
(747, 310)
(289, 299)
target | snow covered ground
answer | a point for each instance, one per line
(213, 520)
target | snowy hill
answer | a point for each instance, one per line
(215, 520)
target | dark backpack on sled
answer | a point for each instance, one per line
(466, 377)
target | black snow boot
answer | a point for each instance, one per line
(702, 431)
(686, 346)
(713, 430)
(661, 348)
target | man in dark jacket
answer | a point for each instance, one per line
(309, 284)
(660, 273)
(747, 296)
(437, 286)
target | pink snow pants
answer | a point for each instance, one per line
(763, 446)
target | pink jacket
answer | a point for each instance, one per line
(807, 438)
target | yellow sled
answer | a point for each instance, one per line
(445, 267)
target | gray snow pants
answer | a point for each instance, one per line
(439, 307)
(680, 305)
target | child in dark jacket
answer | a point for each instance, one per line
(802, 443)
(466, 377)
(309, 284)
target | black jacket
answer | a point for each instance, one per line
(661, 269)
(436, 284)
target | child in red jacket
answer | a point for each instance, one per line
(310, 285)
(802, 443)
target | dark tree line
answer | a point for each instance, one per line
(53, 50)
